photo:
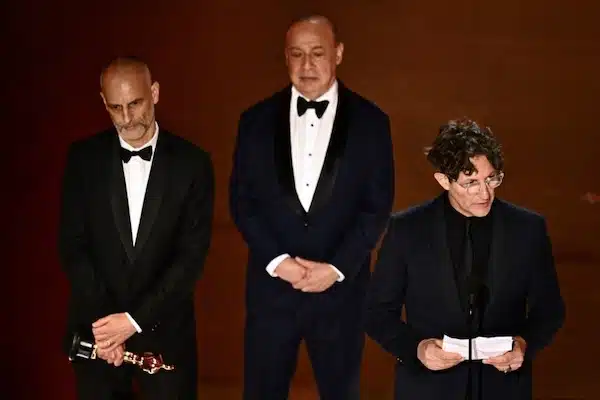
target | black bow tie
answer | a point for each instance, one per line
(319, 106)
(144, 154)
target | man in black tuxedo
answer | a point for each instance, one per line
(311, 190)
(465, 264)
(135, 226)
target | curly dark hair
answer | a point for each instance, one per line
(460, 140)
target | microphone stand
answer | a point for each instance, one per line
(478, 298)
(470, 355)
(484, 298)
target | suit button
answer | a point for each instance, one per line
(306, 224)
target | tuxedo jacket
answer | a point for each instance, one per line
(414, 270)
(348, 212)
(155, 279)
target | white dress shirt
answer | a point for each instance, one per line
(309, 138)
(137, 172)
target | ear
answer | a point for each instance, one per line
(155, 89)
(339, 53)
(442, 180)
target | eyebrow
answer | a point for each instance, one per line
(319, 47)
(136, 100)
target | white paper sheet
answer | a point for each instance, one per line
(482, 347)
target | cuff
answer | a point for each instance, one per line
(275, 263)
(135, 324)
(341, 276)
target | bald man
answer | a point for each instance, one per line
(311, 190)
(136, 213)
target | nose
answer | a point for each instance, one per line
(307, 63)
(484, 192)
(126, 116)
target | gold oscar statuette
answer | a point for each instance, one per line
(148, 362)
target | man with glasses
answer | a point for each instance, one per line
(465, 264)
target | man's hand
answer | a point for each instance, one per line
(512, 360)
(289, 270)
(430, 353)
(319, 278)
(112, 331)
(112, 357)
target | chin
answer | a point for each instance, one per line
(308, 85)
(133, 134)
(480, 211)
(128, 135)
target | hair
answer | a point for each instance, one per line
(316, 18)
(125, 62)
(460, 140)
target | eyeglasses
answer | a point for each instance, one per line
(474, 187)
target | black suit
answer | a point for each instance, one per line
(348, 212)
(155, 279)
(414, 269)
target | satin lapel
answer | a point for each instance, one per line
(154, 190)
(118, 199)
(335, 151)
(498, 251)
(283, 152)
(441, 250)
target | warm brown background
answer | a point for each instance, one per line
(528, 68)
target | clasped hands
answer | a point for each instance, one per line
(306, 275)
(110, 334)
(432, 356)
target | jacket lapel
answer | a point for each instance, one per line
(118, 199)
(154, 190)
(441, 250)
(283, 152)
(498, 251)
(335, 151)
